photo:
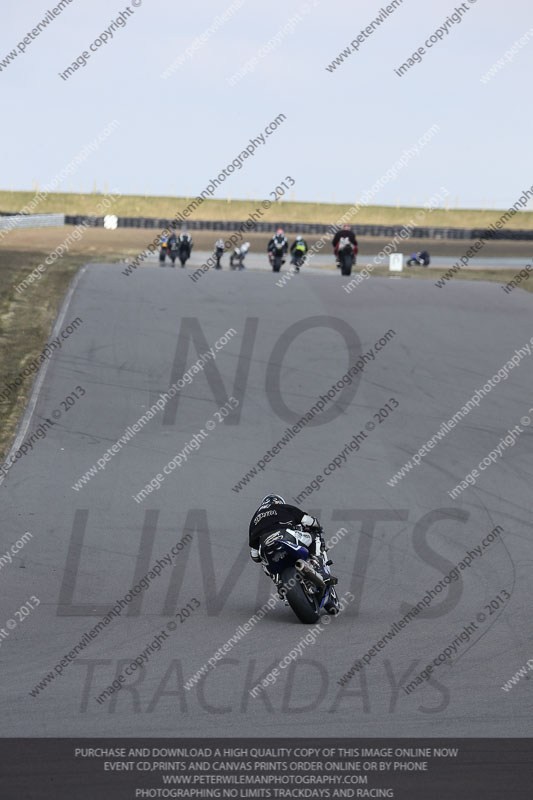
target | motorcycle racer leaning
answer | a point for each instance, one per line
(185, 239)
(279, 239)
(344, 233)
(274, 514)
(219, 252)
(299, 246)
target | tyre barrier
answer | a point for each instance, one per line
(384, 231)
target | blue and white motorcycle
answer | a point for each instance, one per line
(300, 571)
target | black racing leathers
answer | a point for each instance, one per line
(275, 517)
(344, 235)
(282, 240)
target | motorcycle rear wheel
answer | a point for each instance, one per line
(306, 608)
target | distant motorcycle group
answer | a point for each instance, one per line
(236, 259)
(277, 249)
(344, 243)
(181, 246)
(344, 246)
(176, 247)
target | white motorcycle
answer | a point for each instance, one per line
(236, 260)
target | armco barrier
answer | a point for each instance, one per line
(12, 221)
(384, 231)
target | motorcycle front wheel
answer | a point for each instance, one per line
(346, 264)
(304, 606)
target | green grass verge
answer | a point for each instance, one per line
(326, 213)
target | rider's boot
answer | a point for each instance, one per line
(330, 579)
(281, 589)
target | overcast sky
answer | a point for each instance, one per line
(343, 129)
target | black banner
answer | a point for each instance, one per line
(405, 769)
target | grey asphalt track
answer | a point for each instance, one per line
(292, 344)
